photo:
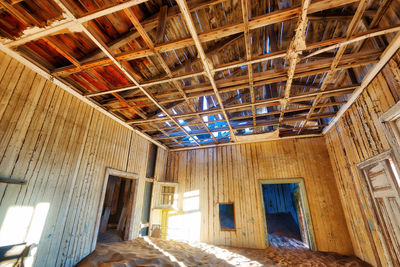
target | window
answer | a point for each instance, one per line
(167, 195)
(227, 217)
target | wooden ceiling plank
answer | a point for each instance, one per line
(150, 24)
(278, 54)
(61, 49)
(263, 78)
(164, 65)
(261, 21)
(162, 20)
(362, 5)
(297, 45)
(327, 45)
(207, 65)
(245, 15)
(21, 16)
(67, 22)
(102, 46)
(390, 50)
(97, 40)
(275, 101)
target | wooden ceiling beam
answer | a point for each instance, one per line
(362, 5)
(257, 22)
(59, 47)
(150, 24)
(376, 19)
(239, 107)
(390, 50)
(207, 64)
(267, 77)
(297, 45)
(337, 44)
(67, 22)
(262, 124)
(164, 65)
(245, 15)
(97, 40)
(20, 15)
(248, 116)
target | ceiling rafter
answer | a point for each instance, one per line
(297, 45)
(207, 64)
(250, 116)
(264, 78)
(329, 45)
(104, 48)
(160, 59)
(68, 22)
(150, 24)
(265, 124)
(273, 102)
(339, 54)
(160, 90)
(255, 23)
(245, 15)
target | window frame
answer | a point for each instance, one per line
(234, 216)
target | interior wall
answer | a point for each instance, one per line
(61, 147)
(231, 173)
(358, 136)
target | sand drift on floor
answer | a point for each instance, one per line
(157, 252)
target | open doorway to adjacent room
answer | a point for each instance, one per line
(286, 213)
(118, 199)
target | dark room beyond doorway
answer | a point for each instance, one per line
(284, 215)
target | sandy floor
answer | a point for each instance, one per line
(157, 252)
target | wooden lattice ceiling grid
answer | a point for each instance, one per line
(198, 73)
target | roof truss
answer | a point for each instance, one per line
(211, 97)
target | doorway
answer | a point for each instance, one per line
(381, 186)
(117, 213)
(286, 215)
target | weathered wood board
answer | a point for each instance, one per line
(358, 136)
(231, 174)
(61, 147)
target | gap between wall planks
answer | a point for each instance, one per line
(61, 147)
(358, 136)
(231, 174)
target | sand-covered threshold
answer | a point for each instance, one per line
(157, 252)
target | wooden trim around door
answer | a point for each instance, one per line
(122, 174)
(304, 201)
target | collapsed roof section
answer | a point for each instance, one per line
(201, 72)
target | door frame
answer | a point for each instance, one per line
(122, 174)
(304, 202)
(376, 215)
(388, 120)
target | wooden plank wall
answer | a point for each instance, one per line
(359, 135)
(231, 174)
(61, 147)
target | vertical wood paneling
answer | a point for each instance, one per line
(231, 174)
(61, 147)
(358, 136)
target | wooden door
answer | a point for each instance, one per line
(382, 182)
